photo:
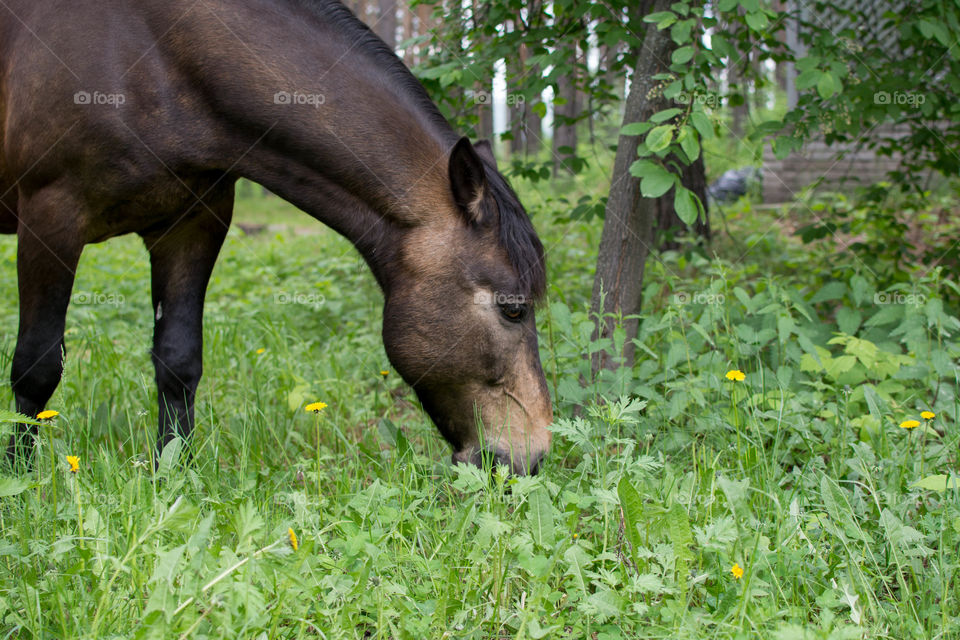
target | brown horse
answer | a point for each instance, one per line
(120, 117)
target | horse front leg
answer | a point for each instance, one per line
(181, 259)
(48, 251)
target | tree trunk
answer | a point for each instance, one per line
(532, 125)
(737, 74)
(424, 25)
(407, 34)
(483, 88)
(629, 221)
(566, 108)
(516, 108)
(386, 26)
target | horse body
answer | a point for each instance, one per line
(139, 118)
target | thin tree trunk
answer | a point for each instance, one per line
(566, 108)
(516, 108)
(628, 225)
(483, 88)
(424, 25)
(386, 26)
(737, 70)
(407, 34)
(533, 125)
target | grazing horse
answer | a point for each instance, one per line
(138, 117)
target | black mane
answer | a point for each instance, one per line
(517, 236)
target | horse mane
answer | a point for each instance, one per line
(516, 234)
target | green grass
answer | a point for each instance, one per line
(669, 476)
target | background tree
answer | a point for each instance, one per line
(683, 85)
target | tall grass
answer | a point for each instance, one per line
(632, 529)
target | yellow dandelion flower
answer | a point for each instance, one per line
(316, 407)
(260, 350)
(291, 534)
(928, 415)
(736, 375)
(74, 462)
(909, 424)
(46, 415)
(737, 571)
(384, 372)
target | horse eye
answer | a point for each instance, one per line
(513, 312)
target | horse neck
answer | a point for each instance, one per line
(321, 114)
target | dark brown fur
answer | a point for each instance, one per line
(194, 108)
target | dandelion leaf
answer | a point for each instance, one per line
(938, 482)
(540, 516)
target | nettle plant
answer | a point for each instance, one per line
(852, 77)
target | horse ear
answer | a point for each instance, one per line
(468, 181)
(485, 151)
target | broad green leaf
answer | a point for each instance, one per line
(848, 320)
(930, 29)
(646, 168)
(809, 78)
(535, 631)
(701, 122)
(297, 396)
(832, 503)
(678, 525)
(685, 204)
(833, 290)
(635, 128)
(666, 114)
(663, 19)
(875, 403)
(12, 486)
(784, 145)
(388, 432)
(540, 515)
(680, 32)
(757, 20)
(577, 560)
(938, 482)
(899, 534)
(682, 55)
(659, 138)
(655, 185)
(180, 516)
(632, 507)
(536, 565)
(170, 456)
(689, 143)
(827, 86)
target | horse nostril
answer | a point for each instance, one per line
(518, 465)
(535, 468)
(489, 458)
(501, 458)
